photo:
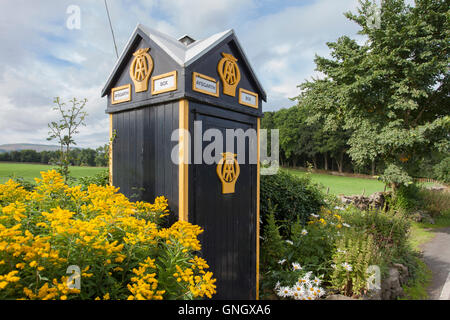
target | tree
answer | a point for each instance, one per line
(391, 91)
(102, 156)
(65, 128)
(87, 157)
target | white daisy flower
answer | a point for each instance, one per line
(320, 291)
(304, 282)
(298, 295)
(282, 261)
(346, 225)
(290, 242)
(296, 266)
(315, 215)
(284, 292)
(316, 281)
(304, 232)
(298, 287)
(347, 266)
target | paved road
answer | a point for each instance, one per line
(436, 254)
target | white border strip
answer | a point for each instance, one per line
(445, 294)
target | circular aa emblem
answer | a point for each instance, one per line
(140, 69)
(229, 73)
(228, 171)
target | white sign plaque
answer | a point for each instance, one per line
(248, 98)
(121, 94)
(164, 83)
(205, 84)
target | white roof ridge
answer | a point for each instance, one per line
(182, 54)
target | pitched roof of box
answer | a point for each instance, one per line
(182, 54)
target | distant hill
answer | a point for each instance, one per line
(27, 146)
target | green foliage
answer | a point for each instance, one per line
(395, 176)
(27, 185)
(389, 92)
(78, 157)
(442, 170)
(99, 179)
(355, 252)
(389, 230)
(65, 128)
(30, 171)
(406, 198)
(435, 203)
(313, 245)
(294, 197)
(273, 249)
(416, 287)
(302, 141)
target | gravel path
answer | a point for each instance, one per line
(436, 254)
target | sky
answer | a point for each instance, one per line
(41, 57)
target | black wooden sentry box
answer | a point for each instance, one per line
(161, 84)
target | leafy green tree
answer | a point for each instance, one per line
(87, 157)
(64, 130)
(389, 92)
(102, 156)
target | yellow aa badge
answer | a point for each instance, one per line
(141, 68)
(228, 171)
(229, 74)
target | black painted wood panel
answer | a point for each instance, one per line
(142, 164)
(229, 220)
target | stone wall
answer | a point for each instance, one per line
(375, 200)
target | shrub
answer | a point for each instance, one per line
(310, 246)
(389, 230)
(119, 247)
(355, 252)
(436, 203)
(405, 199)
(273, 246)
(99, 179)
(442, 170)
(294, 197)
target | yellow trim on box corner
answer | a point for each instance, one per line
(165, 75)
(196, 74)
(120, 88)
(183, 166)
(250, 93)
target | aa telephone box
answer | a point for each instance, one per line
(170, 101)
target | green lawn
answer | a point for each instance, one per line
(343, 185)
(30, 171)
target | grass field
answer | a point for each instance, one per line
(343, 185)
(31, 171)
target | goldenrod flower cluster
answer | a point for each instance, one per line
(119, 246)
(327, 218)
